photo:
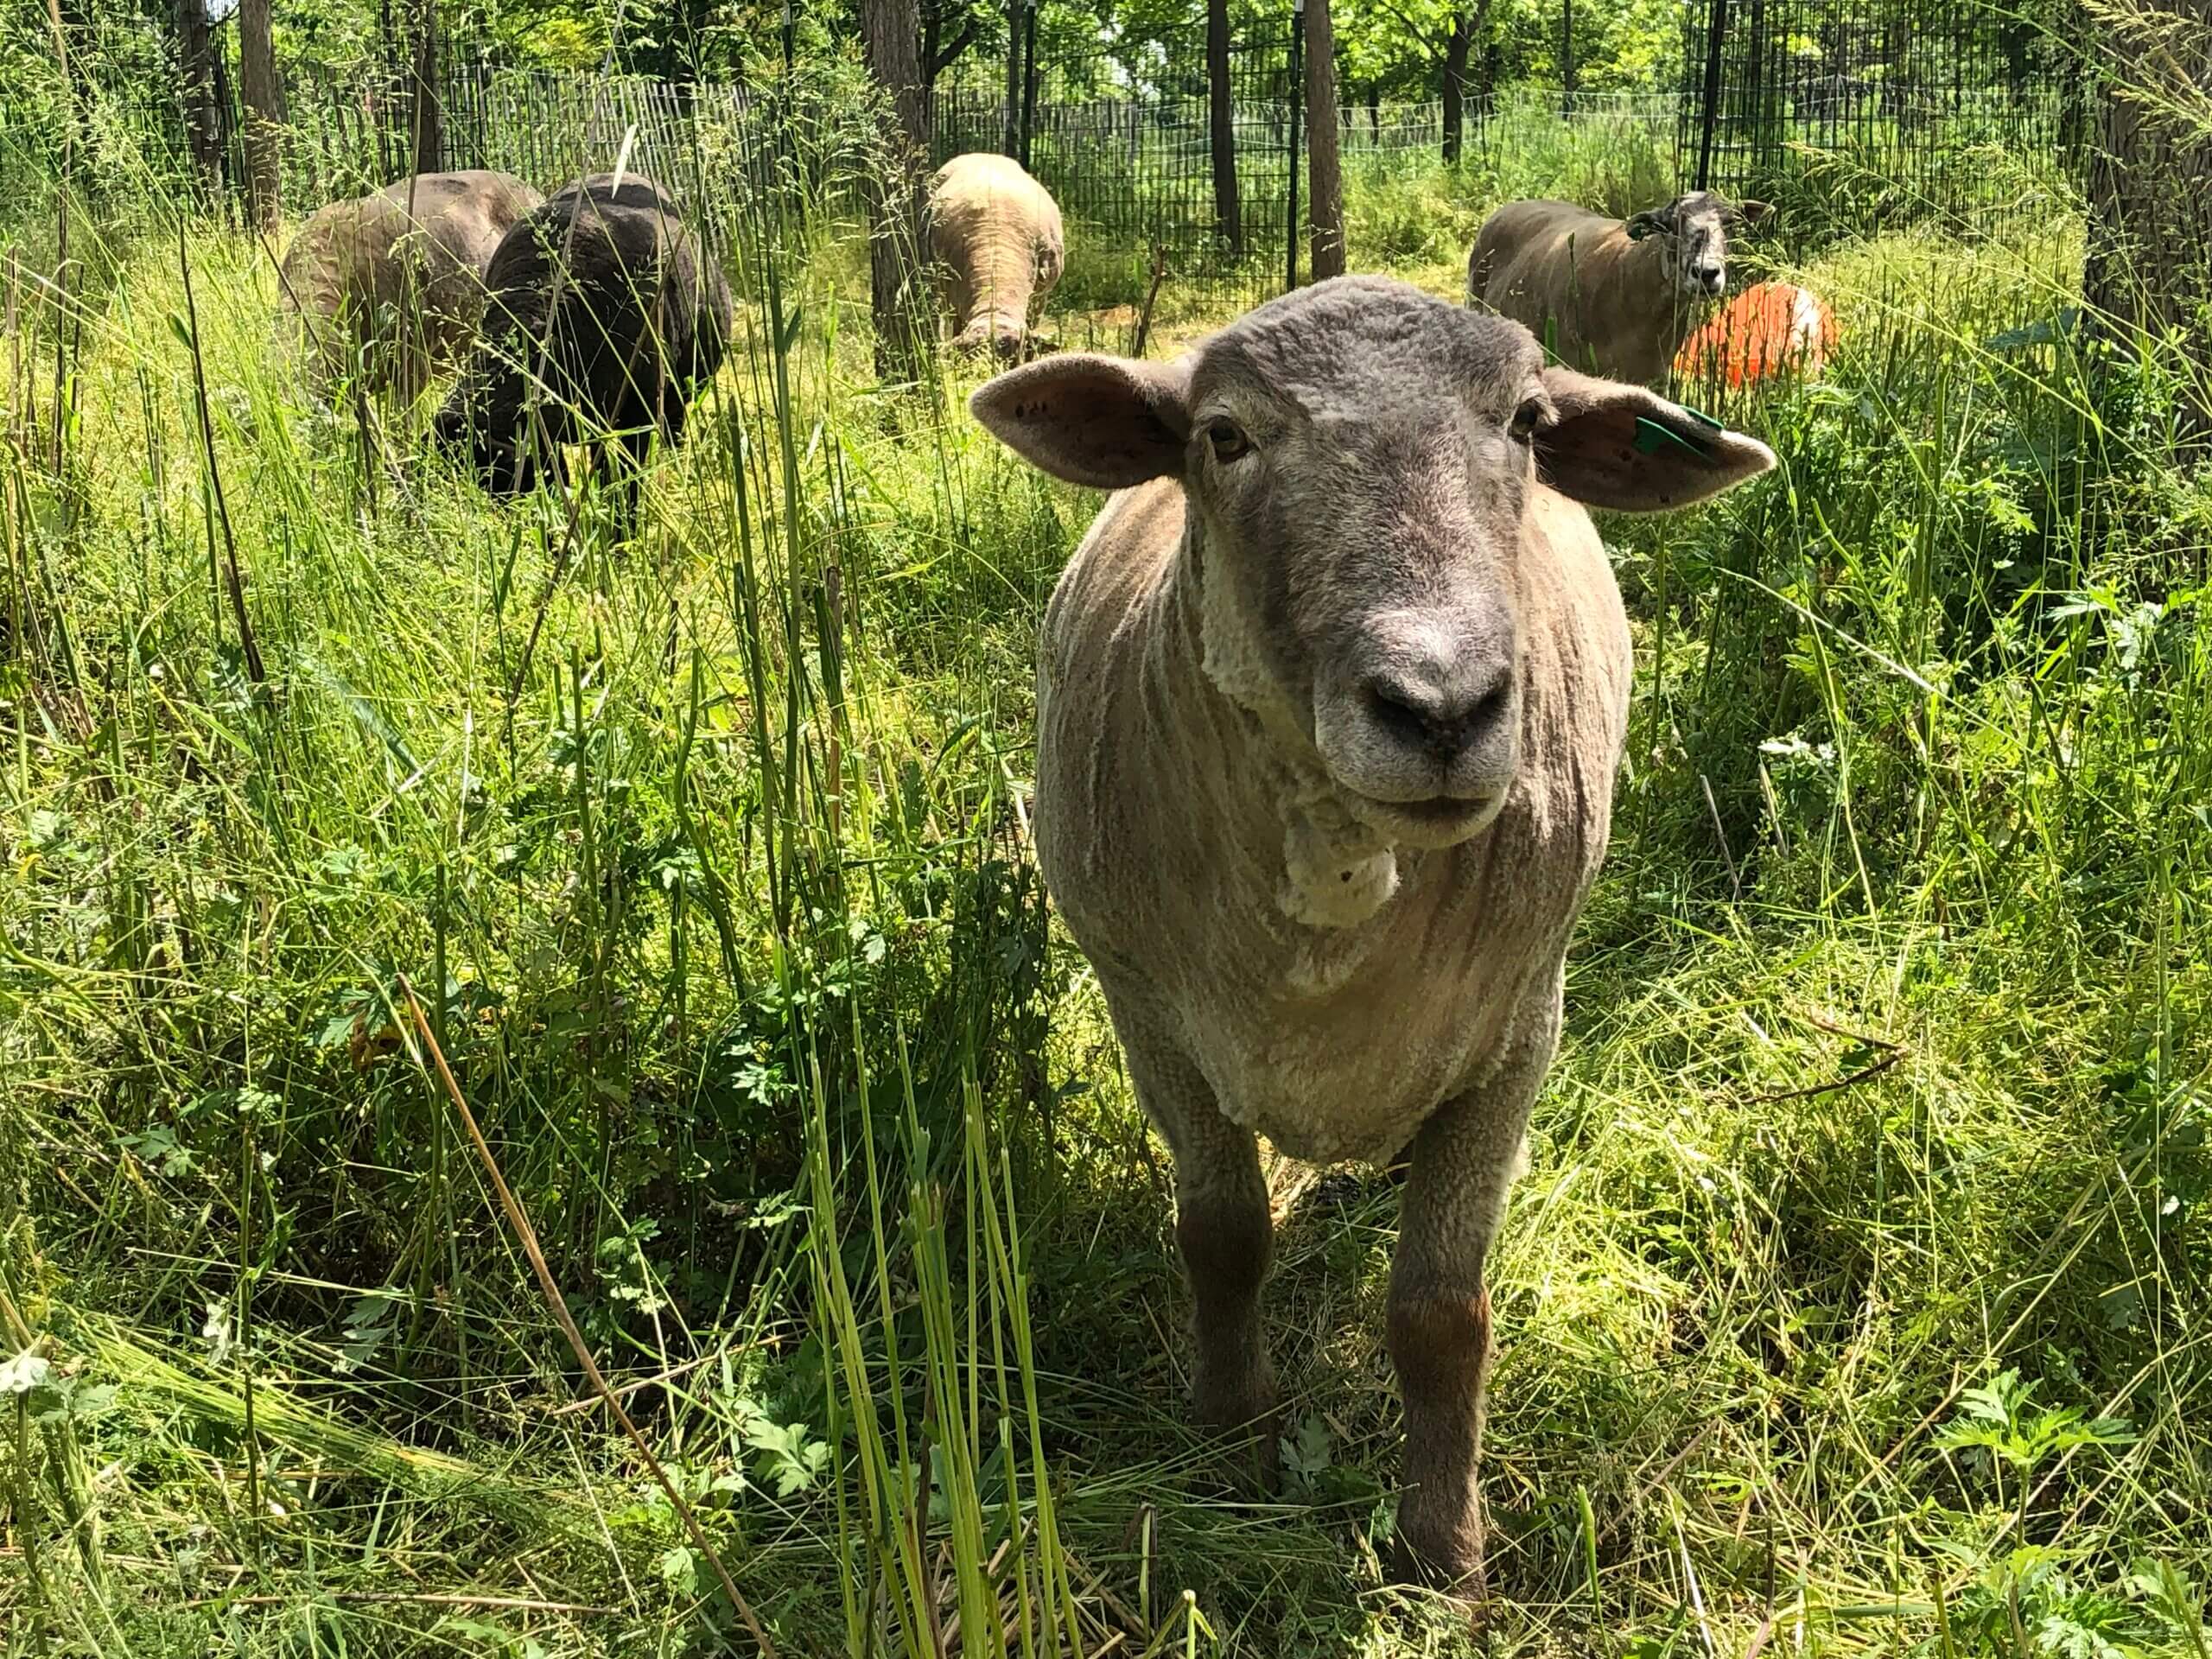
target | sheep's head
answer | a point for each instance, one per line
(1359, 460)
(1696, 228)
(461, 429)
(1005, 334)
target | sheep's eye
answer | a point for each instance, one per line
(1228, 440)
(1523, 426)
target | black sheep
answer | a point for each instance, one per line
(605, 317)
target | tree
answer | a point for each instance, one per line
(890, 38)
(1406, 45)
(949, 29)
(263, 92)
(2146, 273)
(1457, 47)
(1221, 114)
(195, 53)
(425, 121)
(1324, 173)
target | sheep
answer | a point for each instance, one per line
(1611, 297)
(395, 281)
(1330, 702)
(997, 232)
(605, 316)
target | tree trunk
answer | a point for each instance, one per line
(1221, 111)
(1457, 46)
(2146, 271)
(426, 136)
(263, 91)
(1325, 175)
(195, 52)
(889, 34)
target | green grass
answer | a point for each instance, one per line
(1853, 1304)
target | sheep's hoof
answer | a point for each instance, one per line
(1456, 1571)
(1248, 1421)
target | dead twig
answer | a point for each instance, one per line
(1143, 331)
(233, 579)
(527, 1237)
(1852, 1081)
(503, 1603)
(577, 1408)
(1834, 1030)
(1720, 834)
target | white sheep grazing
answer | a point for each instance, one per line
(1614, 296)
(1330, 699)
(998, 234)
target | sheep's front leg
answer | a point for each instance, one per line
(1463, 1162)
(1225, 1233)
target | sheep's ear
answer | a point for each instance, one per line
(1753, 212)
(1621, 447)
(1647, 223)
(1109, 422)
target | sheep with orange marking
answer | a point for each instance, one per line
(1609, 296)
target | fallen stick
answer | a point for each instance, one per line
(527, 1237)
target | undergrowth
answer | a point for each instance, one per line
(1853, 1303)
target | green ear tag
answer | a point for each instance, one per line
(1651, 437)
(1699, 414)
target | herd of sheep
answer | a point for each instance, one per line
(594, 314)
(1331, 697)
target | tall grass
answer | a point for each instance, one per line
(1853, 1302)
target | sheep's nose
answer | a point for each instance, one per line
(1713, 277)
(1444, 716)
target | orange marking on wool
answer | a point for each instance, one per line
(1769, 330)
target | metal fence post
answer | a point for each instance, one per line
(1716, 33)
(1010, 110)
(1297, 94)
(1567, 57)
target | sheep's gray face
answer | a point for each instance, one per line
(1357, 460)
(1359, 463)
(1701, 253)
(1696, 228)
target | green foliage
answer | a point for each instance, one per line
(2002, 1420)
(1867, 1203)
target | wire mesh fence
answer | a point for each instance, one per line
(347, 132)
(1132, 164)
(1877, 111)
(1847, 113)
(1124, 137)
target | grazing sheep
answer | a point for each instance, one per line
(1330, 702)
(1770, 330)
(997, 230)
(396, 279)
(606, 315)
(1612, 296)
